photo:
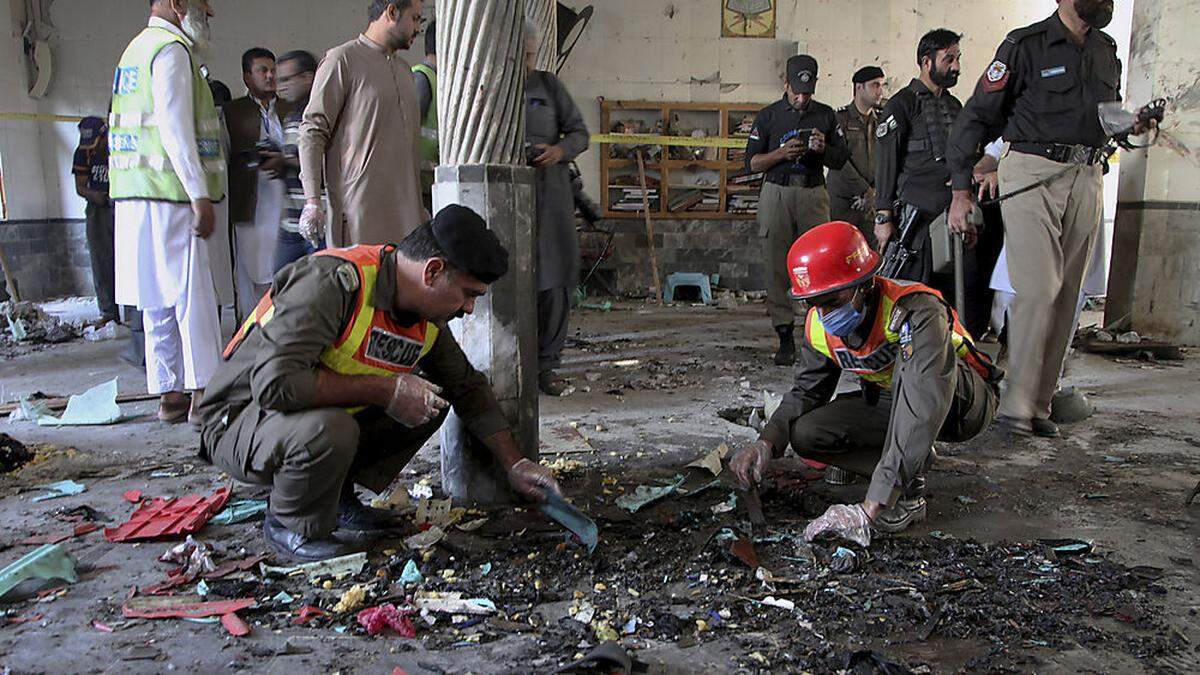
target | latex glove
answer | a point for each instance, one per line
(848, 521)
(415, 401)
(312, 223)
(532, 480)
(750, 462)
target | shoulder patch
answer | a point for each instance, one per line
(347, 276)
(906, 346)
(886, 126)
(897, 319)
(996, 76)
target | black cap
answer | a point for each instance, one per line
(802, 74)
(90, 130)
(468, 243)
(866, 74)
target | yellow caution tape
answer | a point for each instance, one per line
(684, 141)
(38, 117)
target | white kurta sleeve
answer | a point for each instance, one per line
(171, 84)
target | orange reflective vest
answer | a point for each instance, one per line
(875, 360)
(371, 343)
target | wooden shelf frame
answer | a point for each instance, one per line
(725, 169)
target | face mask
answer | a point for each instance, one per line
(843, 320)
(1097, 13)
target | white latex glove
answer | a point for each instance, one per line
(750, 462)
(532, 480)
(848, 521)
(415, 401)
(312, 223)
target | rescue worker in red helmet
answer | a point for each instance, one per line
(921, 380)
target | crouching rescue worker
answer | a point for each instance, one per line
(318, 391)
(921, 379)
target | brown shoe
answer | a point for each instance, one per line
(193, 417)
(173, 407)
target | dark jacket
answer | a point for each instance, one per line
(243, 118)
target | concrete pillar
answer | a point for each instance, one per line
(1155, 275)
(544, 15)
(481, 115)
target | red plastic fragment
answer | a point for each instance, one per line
(188, 610)
(134, 496)
(43, 539)
(178, 578)
(26, 619)
(399, 671)
(381, 619)
(169, 517)
(308, 613)
(102, 627)
(235, 625)
(744, 550)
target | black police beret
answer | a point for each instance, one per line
(866, 74)
(469, 244)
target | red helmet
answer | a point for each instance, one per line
(828, 258)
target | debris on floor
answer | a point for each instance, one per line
(169, 517)
(13, 454)
(96, 406)
(47, 564)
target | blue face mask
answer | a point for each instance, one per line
(843, 320)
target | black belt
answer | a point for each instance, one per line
(1058, 152)
(806, 180)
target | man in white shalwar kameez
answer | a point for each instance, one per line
(167, 169)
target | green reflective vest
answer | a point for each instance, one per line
(138, 164)
(429, 128)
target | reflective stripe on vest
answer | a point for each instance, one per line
(875, 361)
(371, 343)
(429, 125)
(138, 164)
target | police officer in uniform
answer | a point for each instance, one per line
(852, 188)
(922, 379)
(792, 141)
(318, 389)
(911, 166)
(1042, 93)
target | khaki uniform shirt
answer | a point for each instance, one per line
(360, 134)
(276, 365)
(919, 403)
(858, 175)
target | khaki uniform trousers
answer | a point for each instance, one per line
(307, 456)
(1050, 233)
(784, 213)
(852, 432)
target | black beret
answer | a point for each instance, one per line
(866, 74)
(469, 244)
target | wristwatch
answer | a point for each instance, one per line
(882, 217)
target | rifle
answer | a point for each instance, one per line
(898, 250)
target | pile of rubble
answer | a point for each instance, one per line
(25, 322)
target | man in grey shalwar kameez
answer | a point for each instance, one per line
(554, 134)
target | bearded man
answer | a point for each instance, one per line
(166, 169)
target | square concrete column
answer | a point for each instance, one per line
(500, 338)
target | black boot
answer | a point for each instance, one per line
(909, 508)
(358, 518)
(293, 546)
(786, 355)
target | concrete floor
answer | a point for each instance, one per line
(1118, 478)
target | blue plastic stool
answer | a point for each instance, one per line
(693, 279)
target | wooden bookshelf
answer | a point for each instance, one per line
(676, 174)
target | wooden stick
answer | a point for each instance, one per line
(12, 287)
(60, 402)
(649, 227)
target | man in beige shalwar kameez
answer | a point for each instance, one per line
(360, 133)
